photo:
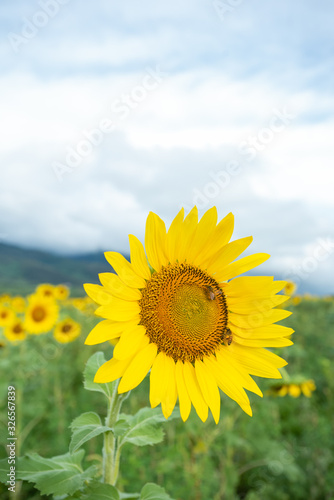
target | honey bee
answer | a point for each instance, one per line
(211, 293)
(228, 336)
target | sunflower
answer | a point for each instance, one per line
(46, 290)
(7, 316)
(295, 389)
(66, 331)
(179, 314)
(18, 304)
(41, 314)
(290, 288)
(15, 332)
(61, 292)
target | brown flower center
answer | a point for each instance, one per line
(184, 312)
(38, 314)
(66, 328)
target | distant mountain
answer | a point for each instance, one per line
(22, 269)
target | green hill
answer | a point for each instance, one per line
(22, 269)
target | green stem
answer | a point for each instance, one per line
(111, 453)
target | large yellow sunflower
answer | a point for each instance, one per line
(41, 314)
(180, 314)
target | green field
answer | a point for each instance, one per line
(285, 451)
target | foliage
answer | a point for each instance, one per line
(284, 451)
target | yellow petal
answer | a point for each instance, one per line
(264, 332)
(209, 388)
(237, 372)
(253, 305)
(227, 254)
(241, 266)
(155, 241)
(124, 270)
(257, 361)
(204, 229)
(130, 342)
(111, 370)
(232, 388)
(246, 285)
(184, 399)
(218, 239)
(281, 342)
(258, 319)
(173, 235)
(119, 310)
(194, 391)
(98, 294)
(117, 288)
(138, 368)
(138, 258)
(107, 330)
(169, 399)
(186, 235)
(158, 379)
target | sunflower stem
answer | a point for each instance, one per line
(111, 453)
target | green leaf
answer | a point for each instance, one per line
(55, 476)
(144, 428)
(92, 365)
(100, 491)
(121, 427)
(85, 427)
(152, 491)
(128, 496)
(4, 470)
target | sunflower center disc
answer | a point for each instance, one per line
(17, 328)
(66, 328)
(184, 312)
(38, 314)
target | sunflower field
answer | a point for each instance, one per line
(284, 451)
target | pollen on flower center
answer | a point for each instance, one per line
(184, 312)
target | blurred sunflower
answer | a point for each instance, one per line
(18, 304)
(290, 288)
(179, 316)
(295, 389)
(66, 331)
(46, 290)
(7, 315)
(41, 314)
(61, 292)
(15, 332)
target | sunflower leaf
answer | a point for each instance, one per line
(59, 475)
(152, 491)
(85, 427)
(92, 365)
(100, 491)
(143, 427)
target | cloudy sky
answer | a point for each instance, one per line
(112, 109)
